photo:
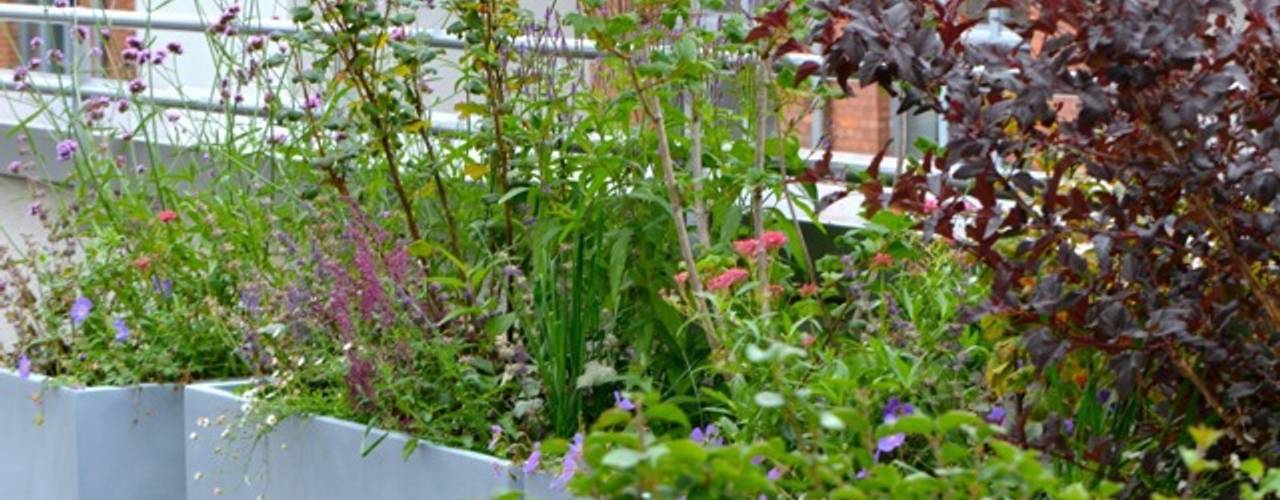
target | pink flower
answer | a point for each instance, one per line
(727, 279)
(747, 248)
(773, 240)
(167, 216)
(882, 260)
(809, 290)
(930, 203)
(682, 277)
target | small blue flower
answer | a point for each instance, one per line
(80, 310)
(122, 330)
(996, 416)
(621, 400)
(1068, 426)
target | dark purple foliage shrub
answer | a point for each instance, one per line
(1140, 234)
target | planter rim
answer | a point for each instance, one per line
(224, 388)
(43, 379)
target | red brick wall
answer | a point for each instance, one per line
(859, 123)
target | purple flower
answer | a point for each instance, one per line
(175, 48)
(129, 55)
(711, 435)
(36, 43)
(82, 33)
(61, 3)
(15, 166)
(774, 474)
(894, 409)
(399, 34)
(164, 287)
(36, 209)
(496, 432)
(122, 330)
(255, 43)
(137, 86)
(80, 310)
(19, 74)
(313, 102)
(67, 149)
(862, 474)
(172, 115)
(535, 458)
(157, 57)
(889, 443)
(57, 56)
(1068, 426)
(133, 42)
(621, 401)
(996, 416)
(24, 367)
(572, 461)
(757, 460)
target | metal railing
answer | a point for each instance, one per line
(992, 33)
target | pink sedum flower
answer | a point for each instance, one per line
(773, 240)
(747, 248)
(727, 279)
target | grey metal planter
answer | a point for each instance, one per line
(108, 443)
(316, 458)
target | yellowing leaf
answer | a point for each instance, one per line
(475, 171)
(466, 109)
(414, 127)
(1204, 436)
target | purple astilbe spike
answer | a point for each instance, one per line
(373, 299)
(80, 310)
(360, 381)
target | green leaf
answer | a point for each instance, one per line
(500, 324)
(667, 412)
(612, 417)
(767, 399)
(955, 418)
(622, 458)
(1253, 467)
(911, 424)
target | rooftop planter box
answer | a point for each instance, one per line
(320, 457)
(108, 443)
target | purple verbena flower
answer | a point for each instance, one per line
(399, 34)
(82, 33)
(80, 310)
(57, 56)
(36, 43)
(137, 86)
(175, 48)
(158, 57)
(15, 166)
(172, 115)
(133, 42)
(122, 330)
(622, 401)
(67, 149)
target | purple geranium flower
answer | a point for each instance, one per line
(67, 149)
(24, 367)
(710, 435)
(774, 474)
(122, 330)
(80, 310)
(621, 400)
(895, 408)
(1068, 426)
(996, 416)
(862, 474)
(757, 460)
(572, 461)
